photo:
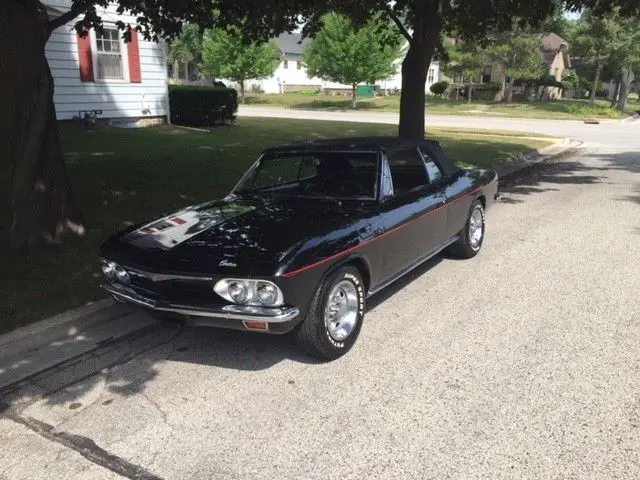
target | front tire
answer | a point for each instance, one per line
(335, 316)
(472, 235)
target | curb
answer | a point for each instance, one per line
(46, 344)
(59, 320)
(537, 156)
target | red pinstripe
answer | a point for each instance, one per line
(364, 244)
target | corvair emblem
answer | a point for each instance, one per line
(227, 263)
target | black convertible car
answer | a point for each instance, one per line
(310, 231)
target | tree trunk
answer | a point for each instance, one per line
(43, 209)
(354, 97)
(412, 97)
(616, 93)
(469, 92)
(625, 84)
(509, 92)
(596, 81)
(242, 97)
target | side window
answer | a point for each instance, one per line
(387, 182)
(407, 169)
(433, 170)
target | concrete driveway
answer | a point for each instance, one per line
(521, 363)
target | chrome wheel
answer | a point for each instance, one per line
(476, 228)
(341, 312)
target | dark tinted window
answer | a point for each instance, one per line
(329, 174)
(407, 169)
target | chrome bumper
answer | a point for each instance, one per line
(230, 312)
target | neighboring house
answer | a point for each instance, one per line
(554, 51)
(100, 72)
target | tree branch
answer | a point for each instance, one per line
(64, 18)
(403, 30)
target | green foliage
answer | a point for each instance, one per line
(341, 53)
(188, 46)
(492, 87)
(202, 106)
(465, 60)
(439, 88)
(225, 54)
(597, 38)
(520, 55)
(549, 81)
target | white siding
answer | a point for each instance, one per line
(116, 100)
(293, 76)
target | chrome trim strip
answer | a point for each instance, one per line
(230, 312)
(161, 277)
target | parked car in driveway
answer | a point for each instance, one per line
(309, 232)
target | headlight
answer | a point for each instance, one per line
(109, 269)
(122, 276)
(249, 292)
(238, 291)
(267, 293)
(113, 271)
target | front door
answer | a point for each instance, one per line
(413, 214)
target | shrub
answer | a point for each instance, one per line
(197, 106)
(439, 88)
(492, 87)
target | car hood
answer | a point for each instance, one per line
(241, 236)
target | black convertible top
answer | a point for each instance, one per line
(387, 144)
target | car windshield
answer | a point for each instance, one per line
(339, 175)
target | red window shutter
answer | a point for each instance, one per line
(85, 59)
(135, 75)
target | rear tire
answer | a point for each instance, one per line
(335, 316)
(472, 235)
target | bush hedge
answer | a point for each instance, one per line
(198, 106)
(439, 88)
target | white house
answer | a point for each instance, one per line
(291, 74)
(125, 81)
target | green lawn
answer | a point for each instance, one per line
(123, 176)
(557, 109)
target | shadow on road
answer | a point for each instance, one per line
(565, 169)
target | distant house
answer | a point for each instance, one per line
(554, 51)
(125, 81)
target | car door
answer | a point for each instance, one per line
(411, 214)
(455, 186)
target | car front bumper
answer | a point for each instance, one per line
(226, 316)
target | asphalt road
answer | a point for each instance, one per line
(523, 362)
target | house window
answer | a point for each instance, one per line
(486, 74)
(183, 71)
(109, 65)
(285, 63)
(431, 75)
(299, 65)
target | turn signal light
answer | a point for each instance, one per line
(254, 325)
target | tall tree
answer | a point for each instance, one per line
(187, 48)
(42, 206)
(596, 39)
(465, 61)
(341, 53)
(520, 54)
(227, 54)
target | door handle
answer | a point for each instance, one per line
(365, 232)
